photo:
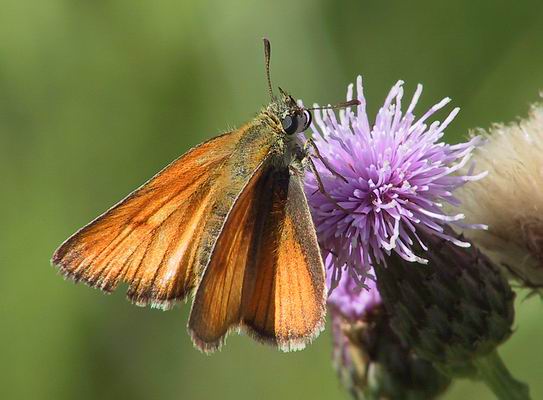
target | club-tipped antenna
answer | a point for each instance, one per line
(344, 104)
(267, 57)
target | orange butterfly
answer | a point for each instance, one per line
(228, 222)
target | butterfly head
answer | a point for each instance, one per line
(294, 118)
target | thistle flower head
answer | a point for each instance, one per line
(510, 199)
(398, 174)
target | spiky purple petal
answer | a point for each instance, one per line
(398, 176)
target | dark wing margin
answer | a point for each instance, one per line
(265, 275)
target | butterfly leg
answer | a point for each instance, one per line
(321, 188)
(311, 143)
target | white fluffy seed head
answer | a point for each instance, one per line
(510, 199)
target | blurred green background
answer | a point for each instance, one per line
(96, 96)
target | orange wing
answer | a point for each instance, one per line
(217, 304)
(153, 238)
(287, 305)
(265, 274)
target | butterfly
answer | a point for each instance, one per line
(227, 223)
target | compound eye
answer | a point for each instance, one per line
(290, 124)
(307, 119)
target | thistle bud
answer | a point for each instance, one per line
(370, 360)
(372, 363)
(454, 312)
(509, 199)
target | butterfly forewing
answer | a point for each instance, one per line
(217, 305)
(265, 272)
(158, 238)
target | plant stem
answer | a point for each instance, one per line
(497, 377)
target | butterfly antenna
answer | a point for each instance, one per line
(344, 104)
(267, 57)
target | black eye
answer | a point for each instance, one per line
(290, 124)
(308, 118)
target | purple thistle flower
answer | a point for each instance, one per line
(398, 176)
(353, 301)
